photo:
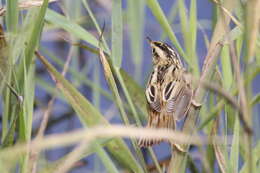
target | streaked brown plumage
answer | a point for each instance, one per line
(168, 92)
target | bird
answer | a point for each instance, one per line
(168, 91)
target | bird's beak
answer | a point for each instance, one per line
(149, 40)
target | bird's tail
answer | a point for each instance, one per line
(160, 121)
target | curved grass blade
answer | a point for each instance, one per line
(78, 76)
(112, 84)
(71, 27)
(85, 3)
(90, 116)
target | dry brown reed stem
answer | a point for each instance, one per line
(231, 100)
(243, 92)
(46, 114)
(218, 153)
(111, 131)
(73, 157)
(26, 5)
(244, 104)
(177, 157)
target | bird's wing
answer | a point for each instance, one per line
(177, 96)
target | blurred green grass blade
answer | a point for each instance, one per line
(90, 116)
(226, 67)
(130, 83)
(133, 110)
(193, 25)
(219, 150)
(219, 26)
(117, 72)
(112, 84)
(4, 168)
(8, 139)
(234, 34)
(135, 16)
(128, 97)
(100, 151)
(34, 37)
(193, 36)
(234, 154)
(85, 3)
(178, 159)
(87, 113)
(26, 114)
(52, 165)
(136, 92)
(8, 124)
(256, 159)
(189, 30)
(12, 15)
(255, 100)
(172, 15)
(106, 160)
(258, 55)
(184, 24)
(158, 13)
(26, 76)
(210, 156)
(227, 81)
(96, 80)
(29, 88)
(71, 27)
(155, 160)
(48, 88)
(117, 33)
(251, 27)
(78, 76)
(69, 8)
(3, 58)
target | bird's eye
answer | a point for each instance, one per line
(153, 50)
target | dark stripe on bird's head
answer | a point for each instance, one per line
(169, 53)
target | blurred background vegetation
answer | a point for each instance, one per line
(59, 80)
